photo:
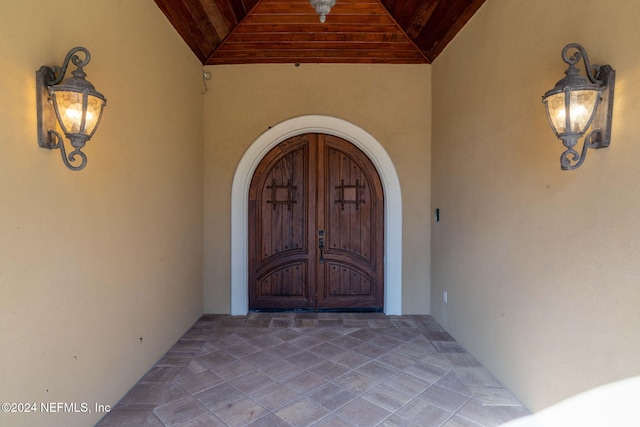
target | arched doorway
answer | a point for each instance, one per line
(392, 195)
(316, 228)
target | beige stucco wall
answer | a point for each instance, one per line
(393, 103)
(541, 265)
(100, 270)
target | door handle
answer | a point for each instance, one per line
(321, 247)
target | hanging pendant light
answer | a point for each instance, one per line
(322, 7)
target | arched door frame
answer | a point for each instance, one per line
(240, 197)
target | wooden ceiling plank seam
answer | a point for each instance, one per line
(390, 4)
(340, 8)
(239, 9)
(311, 37)
(404, 11)
(441, 18)
(299, 2)
(230, 32)
(279, 61)
(249, 5)
(426, 59)
(307, 19)
(317, 60)
(421, 18)
(203, 21)
(323, 53)
(292, 28)
(217, 19)
(316, 43)
(227, 12)
(336, 46)
(176, 12)
(455, 28)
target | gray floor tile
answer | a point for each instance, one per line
(355, 382)
(388, 397)
(444, 398)
(457, 421)
(219, 396)
(327, 350)
(275, 397)
(476, 376)
(162, 374)
(199, 382)
(302, 413)
(347, 342)
(328, 370)
(251, 382)
(125, 415)
(155, 393)
(334, 369)
(241, 412)
(208, 420)
(408, 383)
(422, 412)
(453, 382)
(377, 371)
(396, 421)
(494, 396)
(305, 360)
(332, 397)
(180, 412)
(426, 371)
(370, 350)
(475, 411)
(363, 413)
(350, 359)
(282, 370)
(304, 383)
(269, 420)
(333, 421)
(395, 360)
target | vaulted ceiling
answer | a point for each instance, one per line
(289, 31)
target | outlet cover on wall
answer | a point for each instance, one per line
(445, 297)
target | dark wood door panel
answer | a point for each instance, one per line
(351, 205)
(314, 191)
(281, 242)
(285, 286)
(282, 224)
(352, 276)
(348, 287)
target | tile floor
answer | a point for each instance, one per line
(316, 369)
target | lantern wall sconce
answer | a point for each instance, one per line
(576, 102)
(322, 7)
(74, 104)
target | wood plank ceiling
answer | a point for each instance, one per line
(289, 31)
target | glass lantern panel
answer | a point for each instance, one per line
(556, 111)
(582, 104)
(94, 110)
(69, 107)
(582, 107)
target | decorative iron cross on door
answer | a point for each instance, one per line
(349, 194)
(276, 190)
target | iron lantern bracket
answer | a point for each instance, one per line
(48, 137)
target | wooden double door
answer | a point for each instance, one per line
(316, 228)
